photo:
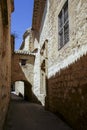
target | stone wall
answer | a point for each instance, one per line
(76, 46)
(22, 72)
(37, 66)
(36, 86)
(19, 88)
(77, 33)
(27, 44)
(30, 44)
(68, 93)
(5, 58)
(66, 76)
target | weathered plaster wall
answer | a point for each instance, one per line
(5, 58)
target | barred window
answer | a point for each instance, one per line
(63, 20)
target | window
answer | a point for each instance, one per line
(23, 62)
(63, 20)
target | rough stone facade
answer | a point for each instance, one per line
(29, 74)
(27, 43)
(23, 70)
(68, 93)
(55, 77)
(65, 74)
(6, 7)
(26, 72)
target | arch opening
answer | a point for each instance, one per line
(22, 89)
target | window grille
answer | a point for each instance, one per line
(63, 26)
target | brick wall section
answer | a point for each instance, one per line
(68, 93)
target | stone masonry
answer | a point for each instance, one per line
(68, 93)
(23, 72)
(59, 78)
(66, 79)
(6, 7)
(52, 76)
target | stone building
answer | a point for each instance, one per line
(23, 62)
(6, 7)
(18, 86)
(52, 60)
(22, 70)
(29, 46)
(60, 71)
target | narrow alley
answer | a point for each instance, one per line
(23, 115)
(45, 63)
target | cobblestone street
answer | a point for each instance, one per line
(23, 115)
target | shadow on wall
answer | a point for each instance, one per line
(47, 96)
(68, 94)
(28, 93)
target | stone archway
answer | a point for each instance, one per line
(24, 89)
(27, 92)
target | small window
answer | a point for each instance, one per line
(63, 20)
(23, 62)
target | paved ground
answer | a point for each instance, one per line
(28, 116)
